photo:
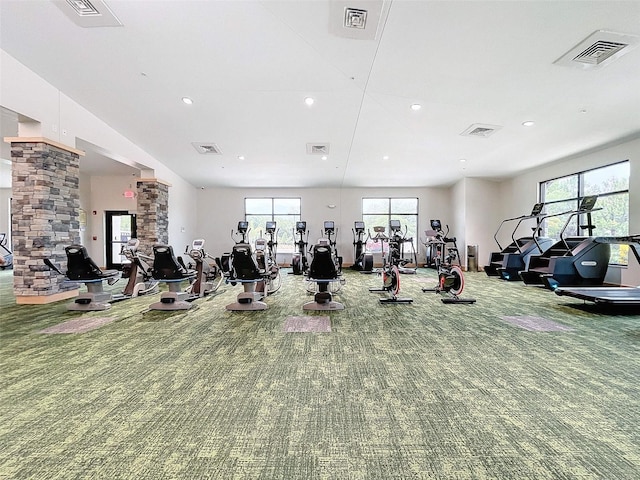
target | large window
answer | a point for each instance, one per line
(284, 211)
(611, 184)
(378, 212)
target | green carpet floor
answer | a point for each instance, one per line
(415, 391)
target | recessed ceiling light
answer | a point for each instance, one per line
(528, 123)
(415, 107)
(463, 160)
(386, 157)
(323, 157)
(309, 101)
(187, 100)
(240, 157)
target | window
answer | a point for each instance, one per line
(378, 212)
(611, 184)
(284, 211)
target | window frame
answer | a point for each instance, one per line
(619, 259)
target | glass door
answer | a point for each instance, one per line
(120, 227)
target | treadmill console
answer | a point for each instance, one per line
(588, 202)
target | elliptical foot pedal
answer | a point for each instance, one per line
(396, 300)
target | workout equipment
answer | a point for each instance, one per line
(363, 260)
(609, 297)
(299, 261)
(208, 276)
(323, 271)
(138, 271)
(509, 261)
(82, 269)
(571, 261)
(397, 240)
(390, 272)
(6, 261)
(440, 245)
(330, 230)
(450, 276)
(266, 257)
(244, 269)
(172, 271)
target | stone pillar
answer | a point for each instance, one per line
(45, 210)
(152, 218)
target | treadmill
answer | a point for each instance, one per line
(609, 296)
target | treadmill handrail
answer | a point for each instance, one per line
(571, 213)
(521, 218)
(632, 240)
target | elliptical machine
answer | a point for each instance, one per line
(208, 277)
(397, 239)
(362, 260)
(450, 276)
(266, 256)
(299, 261)
(390, 272)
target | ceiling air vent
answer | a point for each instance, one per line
(207, 148)
(88, 13)
(598, 49)
(83, 8)
(355, 18)
(318, 148)
(480, 130)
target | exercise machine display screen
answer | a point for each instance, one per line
(271, 226)
(197, 244)
(436, 225)
(358, 226)
(301, 226)
(329, 225)
(537, 208)
(394, 225)
(588, 203)
(243, 226)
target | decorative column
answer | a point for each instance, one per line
(152, 218)
(45, 216)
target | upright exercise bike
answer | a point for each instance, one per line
(450, 276)
(299, 261)
(362, 260)
(390, 272)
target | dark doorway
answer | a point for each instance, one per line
(120, 227)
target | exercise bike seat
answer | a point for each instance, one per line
(81, 268)
(244, 266)
(322, 266)
(166, 267)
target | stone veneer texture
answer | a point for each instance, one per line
(45, 215)
(152, 219)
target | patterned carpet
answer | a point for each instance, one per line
(421, 391)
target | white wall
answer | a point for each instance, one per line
(520, 193)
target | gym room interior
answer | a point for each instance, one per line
(348, 350)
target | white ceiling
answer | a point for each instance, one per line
(248, 65)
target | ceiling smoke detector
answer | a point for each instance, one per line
(207, 148)
(355, 18)
(317, 148)
(598, 49)
(480, 130)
